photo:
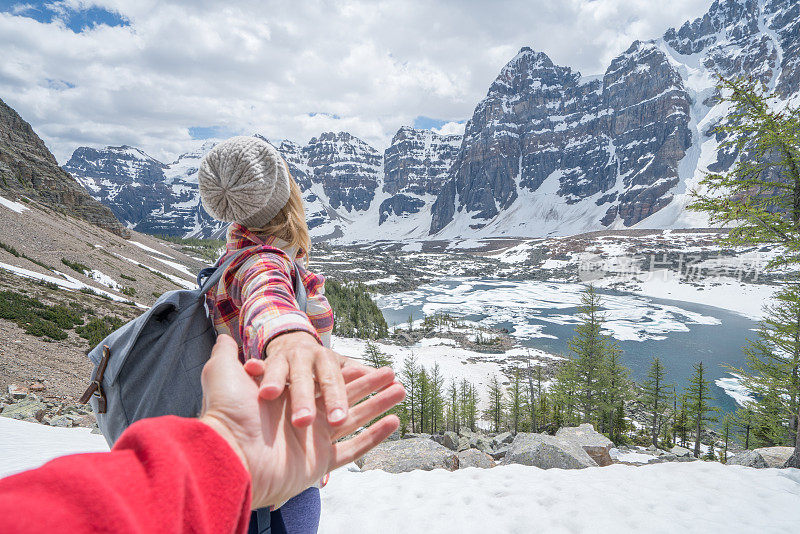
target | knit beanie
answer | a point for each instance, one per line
(244, 180)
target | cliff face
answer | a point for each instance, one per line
(616, 141)
(28, 168)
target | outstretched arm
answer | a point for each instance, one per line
(172, 474)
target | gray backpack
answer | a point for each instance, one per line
(151, 366)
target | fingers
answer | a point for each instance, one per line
(331, 383)
(363, 413)
(356, 447)
(351, 373)
(301, 393)
(368, 383)
(254, 367)
(276, 371)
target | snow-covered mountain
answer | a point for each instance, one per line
(343, 181)
(547, 151)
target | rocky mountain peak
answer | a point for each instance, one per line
(28, 168)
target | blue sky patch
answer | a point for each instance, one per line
(76, 20)
(428, 123)
(210, 132)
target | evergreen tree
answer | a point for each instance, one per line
(468, 401)
(374, 357)
(617, 391)
(589, 346)
(564, 392)
(515, 403)
(494, 412)
(453, 418)
(698, 395)
(534, 392)
(424, 400)
(655, 397)
(409, 377)
(773, 370)
(759, 197)
(727, 427)
(437, 398)
(681, 425)
(743, 422)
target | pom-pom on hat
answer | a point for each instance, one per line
(244, 180)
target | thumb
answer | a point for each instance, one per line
(221, 367)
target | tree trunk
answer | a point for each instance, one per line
(794, 461)
(697, 440)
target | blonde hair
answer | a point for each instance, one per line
(290, 222)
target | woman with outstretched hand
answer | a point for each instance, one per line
(204, 475)
(269, 302)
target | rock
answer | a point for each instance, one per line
(482, 444)
(762, 458)
(463, 443)
(62, 421)
(407, 455)
(775, 456)
(502, 439)
(451, 441)
(474, 458)
(27, 410)
(37, 387)
(680, 451)
(412, 435)
(500, 453)
(793, 461)
(547, 452)
(17, 391)
(394, 436)
(593, 442)
(748, 459)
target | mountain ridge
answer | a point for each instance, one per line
(547, 151)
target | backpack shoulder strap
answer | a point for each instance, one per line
(210, 276)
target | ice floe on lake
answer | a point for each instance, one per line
(529, 304)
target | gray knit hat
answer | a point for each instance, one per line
(244, 180)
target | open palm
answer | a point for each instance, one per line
(283, 459)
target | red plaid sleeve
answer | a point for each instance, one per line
(263, 287)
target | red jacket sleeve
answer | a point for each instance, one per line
(166, 474)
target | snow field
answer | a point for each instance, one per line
(696, 497)
(25, 445)
(16, 207)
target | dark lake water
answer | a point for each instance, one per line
(542, 315)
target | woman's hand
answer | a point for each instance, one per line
(298, 359)
(283, 459)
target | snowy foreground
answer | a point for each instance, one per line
(672, 497)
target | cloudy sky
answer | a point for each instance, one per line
(161, 75)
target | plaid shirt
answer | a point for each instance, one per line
(254, 302)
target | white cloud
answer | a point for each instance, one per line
(293, 69)
(450, 128)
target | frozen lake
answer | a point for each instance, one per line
(543, 315)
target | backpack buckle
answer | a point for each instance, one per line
(95, 389)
